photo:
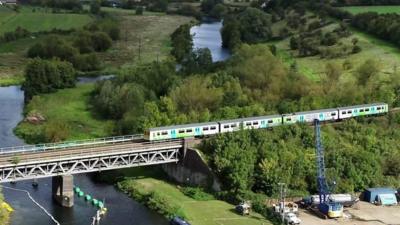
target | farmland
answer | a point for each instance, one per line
(39, 19)
(378, 9)
(314, 67)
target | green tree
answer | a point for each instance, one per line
(101, 41)
(218, 11)
(95, 7)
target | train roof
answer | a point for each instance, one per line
(364, 105)
(250, 119)
(183, 126)
(312, 111)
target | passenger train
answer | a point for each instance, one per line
(224, 126)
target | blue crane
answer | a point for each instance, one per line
(326, 206)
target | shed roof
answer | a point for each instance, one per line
(382, 190)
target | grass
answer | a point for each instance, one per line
(71, 106)
(40, 20)
(387, 54)
(198, 212)
(378, 9)
(148, 34)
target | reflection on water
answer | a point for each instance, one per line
(207, 35)
(122, 209)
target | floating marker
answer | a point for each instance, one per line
(88, 197)
(100, 204)
(95, 201)
(80, 194)
(77, 190)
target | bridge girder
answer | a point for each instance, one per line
(91, 163)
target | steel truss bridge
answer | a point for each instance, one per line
(48, 160)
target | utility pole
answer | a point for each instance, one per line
(282, 203)
(140, 46)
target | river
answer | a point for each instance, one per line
(122, 209)
(207, 35)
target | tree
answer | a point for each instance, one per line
(198, 61)
(367, 71)
(95, 7)
(101, 41)
(45, 76)
(53, 47)
(182, 42)
(218, 11)
(139, 10)
(254, 26)
(230, 33)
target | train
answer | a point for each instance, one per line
(260, 122)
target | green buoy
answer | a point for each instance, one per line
(77, 190)
(88, 197)
(100, 204)
(95, 201)
(80, 194)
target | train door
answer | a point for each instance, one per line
(263, 124)
(173, 133)
(197, 131)
(321, 117)
(302, 118)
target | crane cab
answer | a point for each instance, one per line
(331, 209)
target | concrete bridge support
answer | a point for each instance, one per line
(63, 190)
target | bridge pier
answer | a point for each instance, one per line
(63, 190)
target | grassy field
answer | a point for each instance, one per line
(147, 34)
(70, 106)
(39, 19)
(378, 9)
(12, 54)
(206, 212)
(385, 53)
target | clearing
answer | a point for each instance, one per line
(363, 213)
(379, 9)
(144, 38)
(40, 19)
(387, 54)
(69, 106)
(198, 212)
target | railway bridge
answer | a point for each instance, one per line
(62, 160)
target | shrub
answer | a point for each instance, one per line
(101, 41)
(197, 194)
(86, 62)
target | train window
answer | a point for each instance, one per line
(361, 110)
(181, 131)
(213, 128)
(248, 124)
(366, 110)
(344, 112)
(226, 126)
(205, 128)
(288, 119)
(379, 108)
(255, 123)
(158, 134)
(164, 133)
(188, 130)
(270, 121)
(333, 114)
(349, 111)
(233, 125)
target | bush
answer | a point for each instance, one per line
(53, 47)
(139, 10)
(356, 49)
(101, 41)
(86, 62)
(197, 194)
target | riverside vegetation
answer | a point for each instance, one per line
(259, 80)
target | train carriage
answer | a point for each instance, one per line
(362, 110)
(310, 116)
(230, 125)
(262, 122)
(181, 131)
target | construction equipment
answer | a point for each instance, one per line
(326, 206)
(244, 208)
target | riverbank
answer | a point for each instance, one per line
(149, 186)
(5, 211)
